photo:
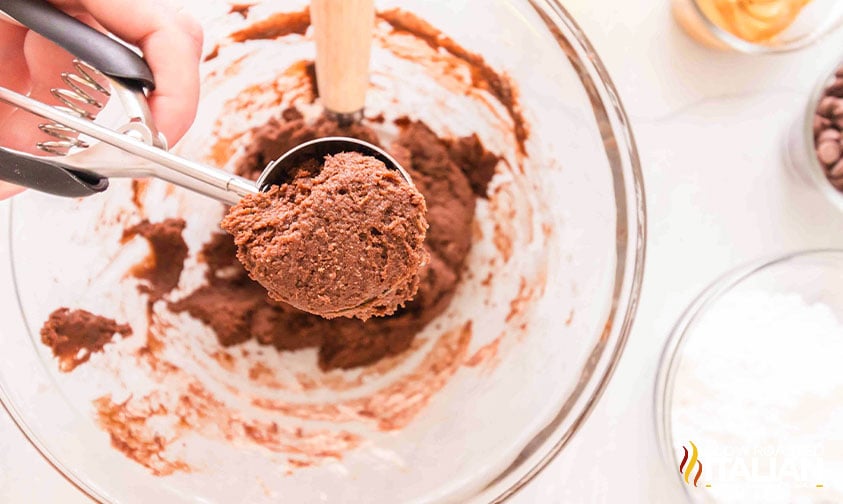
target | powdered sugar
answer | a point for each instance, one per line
(759, 390)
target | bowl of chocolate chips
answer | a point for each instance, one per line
(815, 147)
(147, 364)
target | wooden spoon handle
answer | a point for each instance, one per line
(343, 33)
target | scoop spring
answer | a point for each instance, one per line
(83, 95)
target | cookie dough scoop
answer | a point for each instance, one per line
(344, 237)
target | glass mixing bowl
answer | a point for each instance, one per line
(490, 391)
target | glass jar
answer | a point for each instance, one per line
(799, 28)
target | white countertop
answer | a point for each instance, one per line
(710, 127)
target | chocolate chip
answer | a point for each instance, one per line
(836, 88)
(836, 172)
(827, 106)
(829, 134)
(828, 152)
(820, 123)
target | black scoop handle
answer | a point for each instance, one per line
(89, 45)
(48, 176)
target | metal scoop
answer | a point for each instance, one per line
(136, 150)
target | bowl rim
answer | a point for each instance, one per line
(631, 231)
(670, 358)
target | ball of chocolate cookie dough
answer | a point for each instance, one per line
(344, 238)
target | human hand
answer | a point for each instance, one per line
(171, 42)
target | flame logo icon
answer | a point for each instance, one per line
(687, 466)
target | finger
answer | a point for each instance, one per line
(8, 190)
(15, 74)
(46, 62)
(172, 45)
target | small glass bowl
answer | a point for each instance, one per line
(816, 20)
(813, 275)
(800, 149)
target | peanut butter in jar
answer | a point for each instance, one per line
(752, 20)
(756, 25)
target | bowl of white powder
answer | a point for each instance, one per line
(749, 397)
